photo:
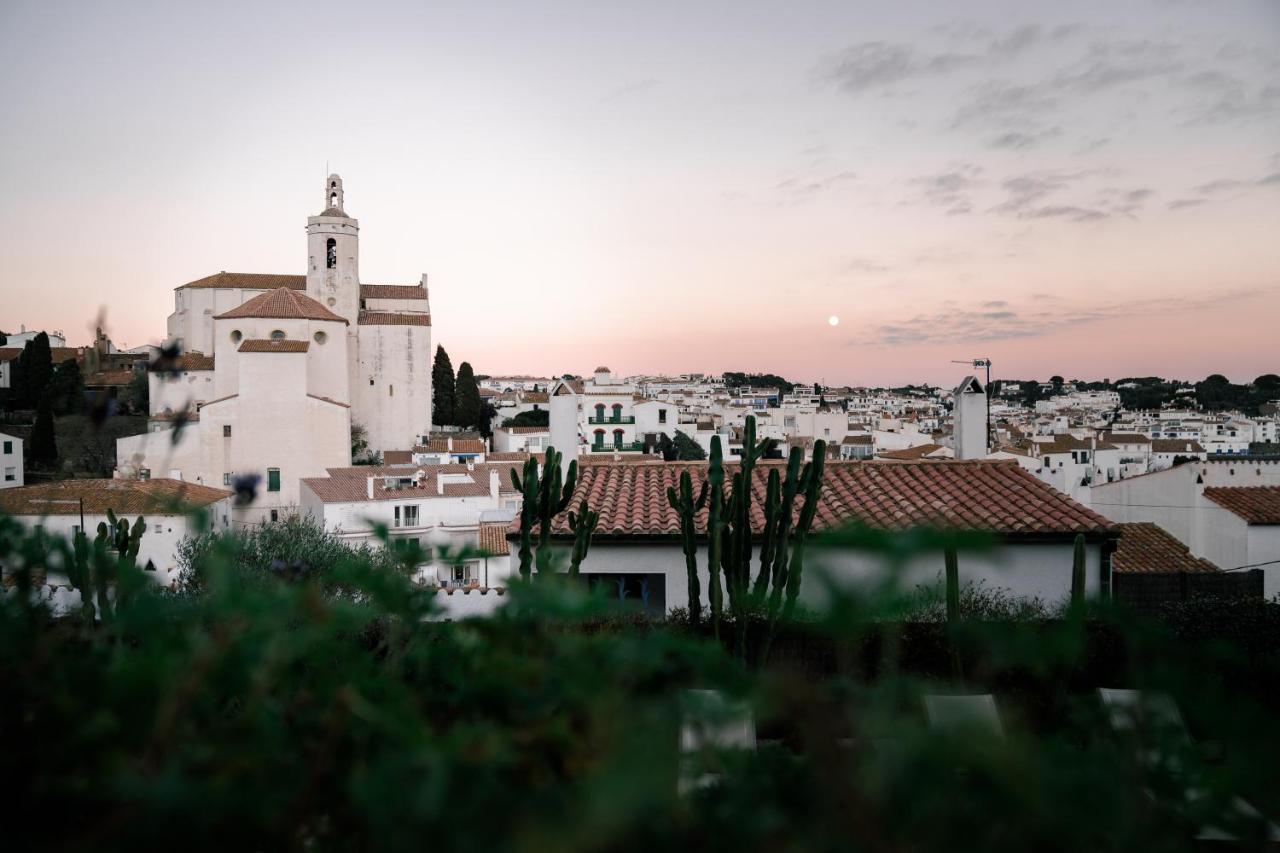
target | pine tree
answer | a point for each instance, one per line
(467, 411)
(44, 445)
(443, 389)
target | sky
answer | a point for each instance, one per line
(1086, 189)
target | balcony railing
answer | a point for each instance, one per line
(610, 420)
(624, 447)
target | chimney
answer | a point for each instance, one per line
(493, 483)
(439, 484)
(369, 480)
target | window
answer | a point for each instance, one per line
(617, 411)
(599, 412)
(236, 337)
(10, 475)
(158, 528)
(273, 479)
(411, 516)
(662, 416)
(226, 479)
(144, 473)
(8, 447)
(226, 430)
(275, 515)
(320, 337)
(277, 335)
(331, 253)
(391, 390)
(617, 438)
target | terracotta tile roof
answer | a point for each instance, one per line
(351, 485)
(251, 280)
(856, 439)
(392, 291)
(281, 304)
(1176, 445)
(391, 318)
(132, 497)
(261, 345)
(535, 397)
(513, 456)
(460, 445)
(57, 354)
(1125, 438)
(493, 538)
(194, 361)
(998, 497)
(1149, 549)
(397, 457)
(1255, 504)
(911, 453)
(114, 378)
(526, 430)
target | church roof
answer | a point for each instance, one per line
(391, 318)
(393, 291)
(252, 280)
(281, 304)
(262, 345)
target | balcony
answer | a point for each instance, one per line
(610, 420)
(624, 447)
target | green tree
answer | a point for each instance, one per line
(533, 418)
(140, 394)
(467, 408)
(686, 449)
(66, 388)
(1268, 382)
(35, 369)
(44, 443)
(443, 389)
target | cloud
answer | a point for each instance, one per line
(996, 320)
(1184, 203)
(949, 189)
(870, 64)
(862, 264)
(631, 89)
(798, 188)
(1221, 185)
(1019, 141)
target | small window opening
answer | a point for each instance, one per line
(331, 253)
(277, 335)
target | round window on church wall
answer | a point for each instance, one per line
(321, 337)
(236, 336)
(332, 302)
(277, 335)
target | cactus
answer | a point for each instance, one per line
(730, 538)
(953, 585)
(1077, 572)
(687, 507)
(544, 498)
(715, 530)
(583, 525)
(92, 570)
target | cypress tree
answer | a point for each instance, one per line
(44, 445)
(35, 369)
(67, 388)
(467, 412)
(442, 389)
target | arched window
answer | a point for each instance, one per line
(331, 253)
(599, 412)
(333, 199)
(599, 439)
(617, 439)
(617, 411)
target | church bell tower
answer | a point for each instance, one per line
(333, 255)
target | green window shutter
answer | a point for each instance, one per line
(273, 479)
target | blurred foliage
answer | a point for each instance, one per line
(327, 706)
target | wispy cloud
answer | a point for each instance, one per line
(998, 320)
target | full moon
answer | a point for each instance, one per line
(833, 320)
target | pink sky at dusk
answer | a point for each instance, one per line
(1090, 189)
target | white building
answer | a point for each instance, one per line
(1226, 511)
(277, 368)
(11, 466)
(636, 549)
(67, 506)
(22, 337)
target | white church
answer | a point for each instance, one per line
(276, 369)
